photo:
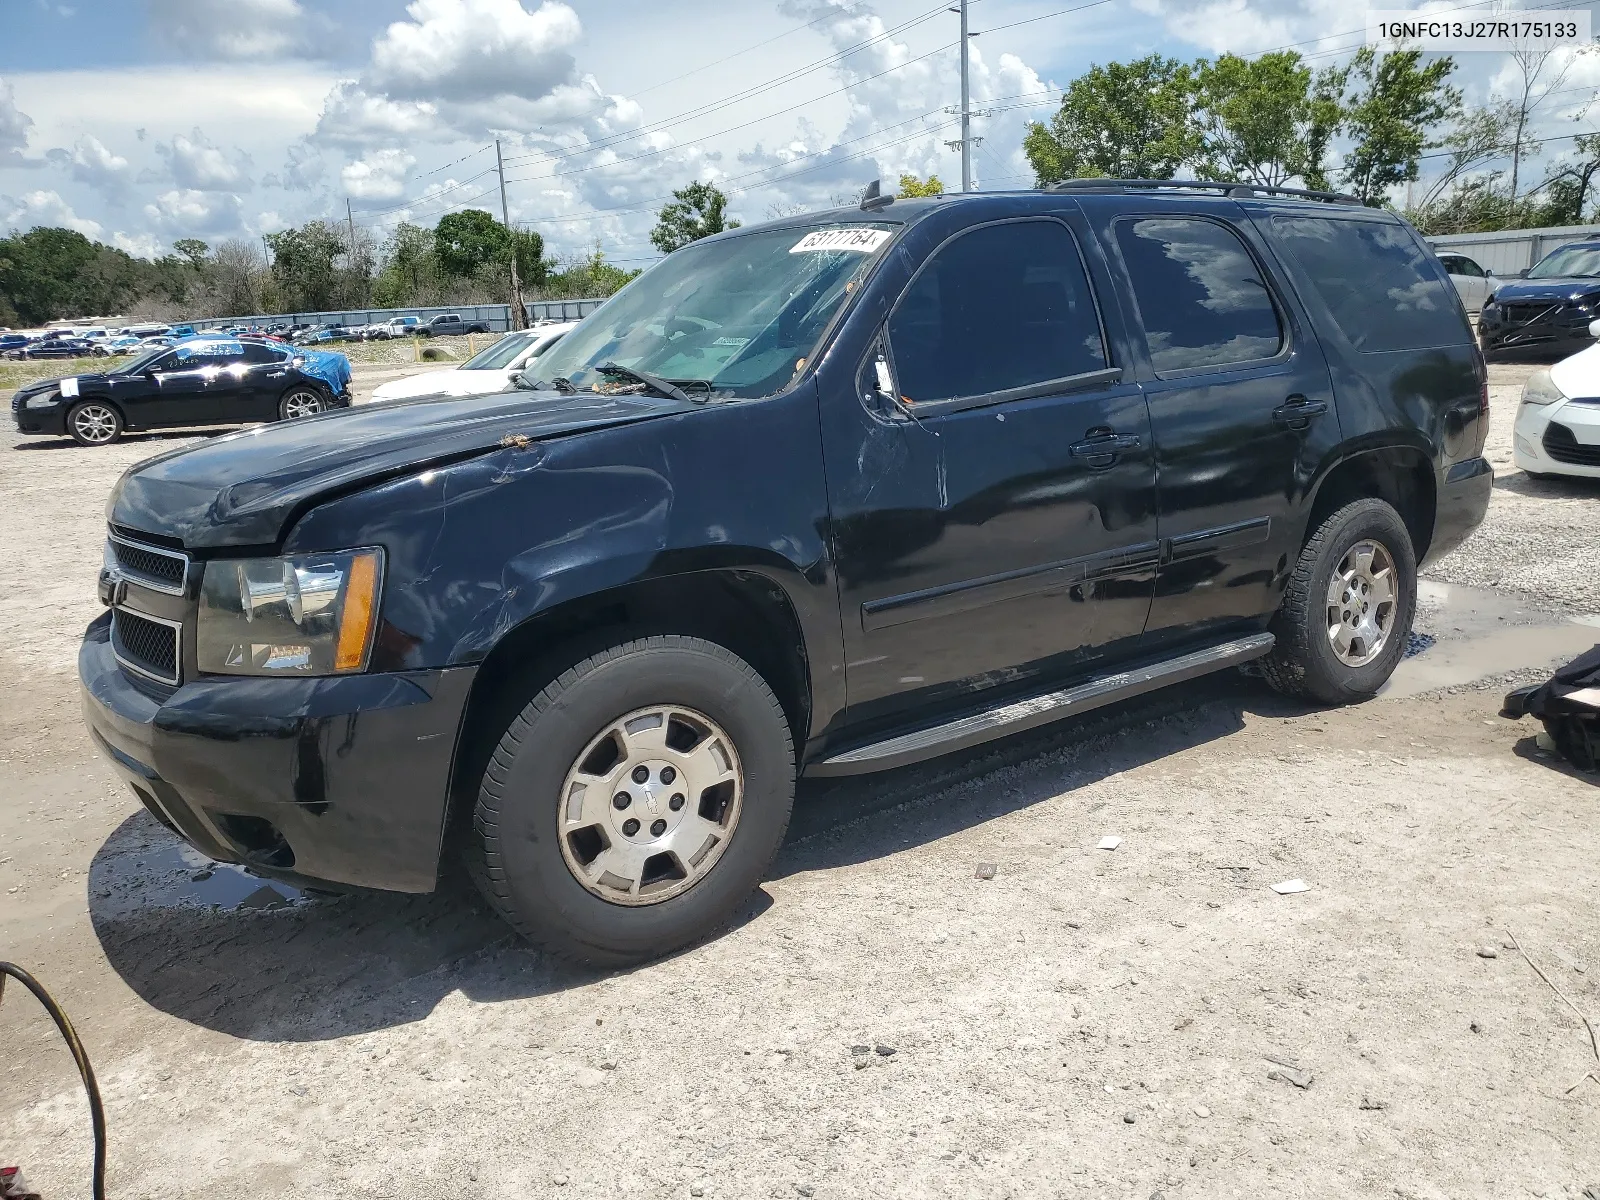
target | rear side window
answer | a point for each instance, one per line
(1002, 307)
(254, 353)
(1378, 284)
(1202, 300)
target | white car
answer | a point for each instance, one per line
(1472, 282)
(490, 370)
(1558, 422)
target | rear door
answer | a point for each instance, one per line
(1241, 410)
(266, 377)
(994, 517)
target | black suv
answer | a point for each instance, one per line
(826, 495)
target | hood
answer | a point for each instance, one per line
(1558, 288)
(243, 489)
(1579, 375)
(37, 386)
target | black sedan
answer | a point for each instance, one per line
(54, 348)
(216, 382)
(1545, 314)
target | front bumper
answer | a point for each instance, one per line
(342, 780)
(1462, 502)
(1537, 439)
(1561, 330)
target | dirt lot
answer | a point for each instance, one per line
(1086, 1021)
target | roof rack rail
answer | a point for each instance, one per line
(1239, 190)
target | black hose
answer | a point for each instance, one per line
(97, 1113)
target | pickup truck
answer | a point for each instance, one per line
(832, 494)
(449, 325)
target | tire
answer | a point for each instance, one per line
(528, 866)
(301, 402)
(1306, 662)
(94, 423)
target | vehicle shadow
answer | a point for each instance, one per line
(1528, 748)
(325, 967)
(1560, 487)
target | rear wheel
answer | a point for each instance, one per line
(635, 801)
(1346, 615)
(300, 402)
(92, 423)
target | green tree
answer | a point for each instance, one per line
(1266, 120)
(911, 186)
(193, 251)
(467, 241)
(586, 276)
(303, 265)
(528, 247)
(1396, 102)
(410, 272)
(1122, 120)
(696, 211)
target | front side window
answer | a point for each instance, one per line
(1002, 307)
(1201, 298)
(736, 317)
(1378, 283)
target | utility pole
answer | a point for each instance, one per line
(966, 107)
(350, 218)
(519, 316)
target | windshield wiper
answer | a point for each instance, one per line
(665, 386)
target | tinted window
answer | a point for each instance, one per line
(998, 308)
(255, 352)
(1201, 298)
(1377, 282)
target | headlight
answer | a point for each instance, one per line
(1541, 389)
(312, 614)
(44, 400)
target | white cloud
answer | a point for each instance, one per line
(186, 212)
(381, 175)
(14, 126)
(197, 164)
(92, 163)
(235, 29)
(46, 208)
(140, 245)
(467, 50)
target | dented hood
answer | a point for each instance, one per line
(244, 488)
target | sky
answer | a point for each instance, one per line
(139, 122)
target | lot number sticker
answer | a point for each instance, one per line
(863, 241)
(69, 386)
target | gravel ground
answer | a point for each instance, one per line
(882, 1020)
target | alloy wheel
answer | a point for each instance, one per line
(94, 423)
(301, 404)
(1363, 600)
(650, 805)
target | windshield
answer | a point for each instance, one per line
(1569, 260)
(499, 354)
(737, 315)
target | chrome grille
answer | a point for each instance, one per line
(153, 566)
(145, 645)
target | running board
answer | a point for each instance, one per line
(1040, 710)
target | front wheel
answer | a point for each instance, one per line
(301, 402)
(635, 802)
(92, 423)
(1346, 615)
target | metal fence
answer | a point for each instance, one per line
(1512, 251)
(496, 316)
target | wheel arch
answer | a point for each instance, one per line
(744, 610)
(1400, 475)
(94, 398)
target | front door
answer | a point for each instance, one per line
(992, 488)
(1241, 407)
